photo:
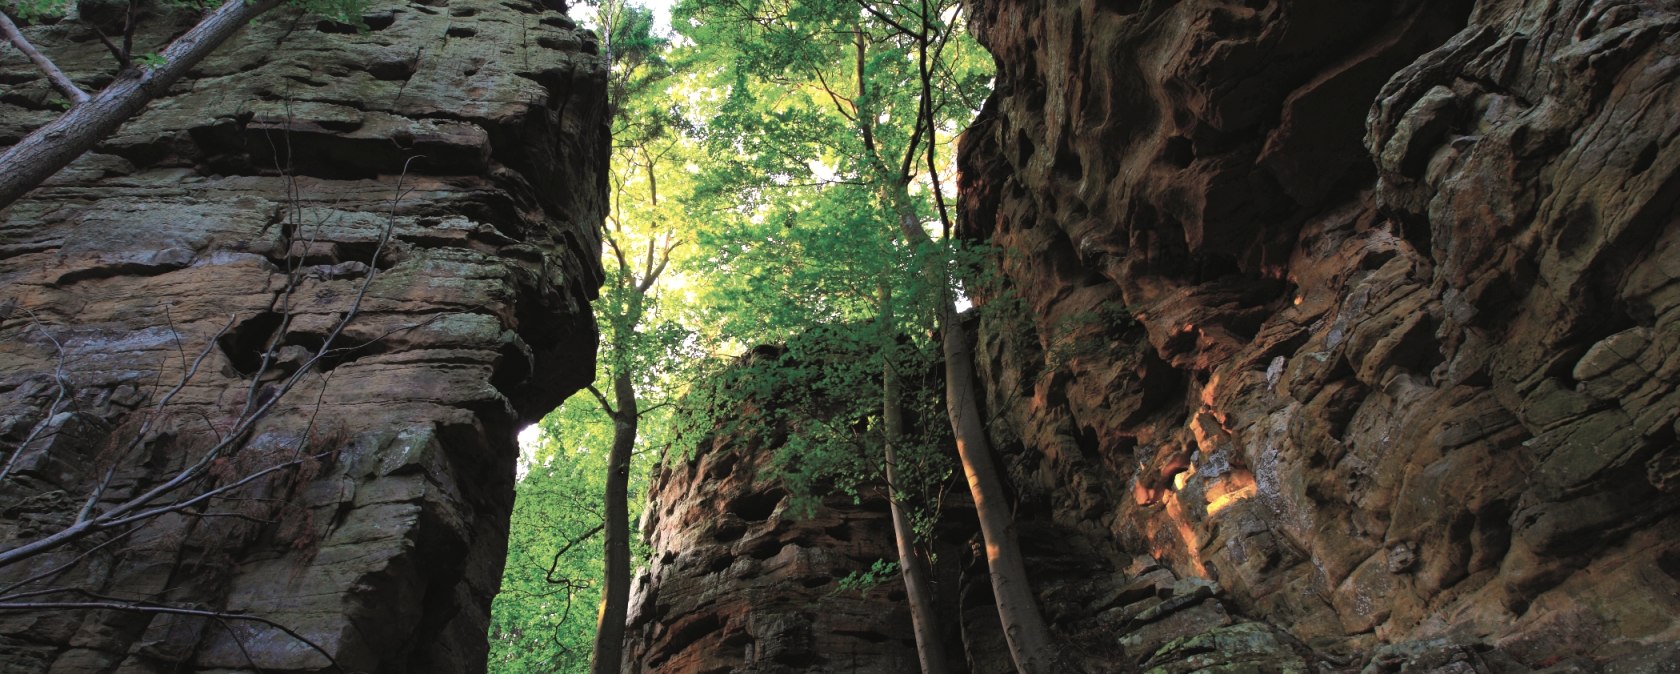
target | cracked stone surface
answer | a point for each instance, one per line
(1366, 310)
(447, 168)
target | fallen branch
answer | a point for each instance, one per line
(52, 147)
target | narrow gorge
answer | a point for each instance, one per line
(1346, 341)
(1324, 336)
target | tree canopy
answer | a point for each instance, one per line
(765, 155)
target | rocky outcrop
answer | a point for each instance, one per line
(1364, 310)
(1333, 336)
(406, 214)
(743, 577)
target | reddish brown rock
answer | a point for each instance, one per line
(1359, 317)
(283, 162)
(1394, 295)
(741, 580)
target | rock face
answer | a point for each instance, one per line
(399, 222)
(1337, 336)
(1366, 310)
(741, 581)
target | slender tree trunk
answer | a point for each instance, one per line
(52, 147)
(930, 649)
(1023, 628)
(615, 597)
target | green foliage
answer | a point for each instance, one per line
(544, 618)
(30, 10)
(816, 404)
(645, 342)
(882, 571)
(741, 184)
(150, 61)
(812, 115)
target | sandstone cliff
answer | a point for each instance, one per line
(1386, 336)
(1337, 335)
(438, 178)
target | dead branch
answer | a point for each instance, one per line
(136, 509)
(59, 80)
(135, 606)
(52, 410)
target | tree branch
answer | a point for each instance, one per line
(52, 147)
(556, 565)
(59, 80)
(147, 607)
(887, 20)
(605, 406)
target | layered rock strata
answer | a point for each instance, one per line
(1365, 310)
(400, 218)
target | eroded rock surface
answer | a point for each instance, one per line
(1336, 336)
(1365, 309)
(438, 178)
(740, 579)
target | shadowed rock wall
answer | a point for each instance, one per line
(1366, 310)
(739, 580)
(1335, 336)
(439, 178)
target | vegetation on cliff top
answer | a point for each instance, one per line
(765, 156)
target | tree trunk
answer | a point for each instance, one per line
(52, 147)
(930, 649)
(1023, 628)
(615, 597)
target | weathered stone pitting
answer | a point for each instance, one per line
(253, 197)
(1409, 266)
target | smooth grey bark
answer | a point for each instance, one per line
(1024, 629)
(608, 651)
(918, 590)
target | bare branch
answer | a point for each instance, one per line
(58, 398)
(148, 607)
(135, 509)
(605, 406)
(59, 80)
(555, 566)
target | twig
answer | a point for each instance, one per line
(6, 591)
(148, 607)
(556, 565)
(52, 410)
